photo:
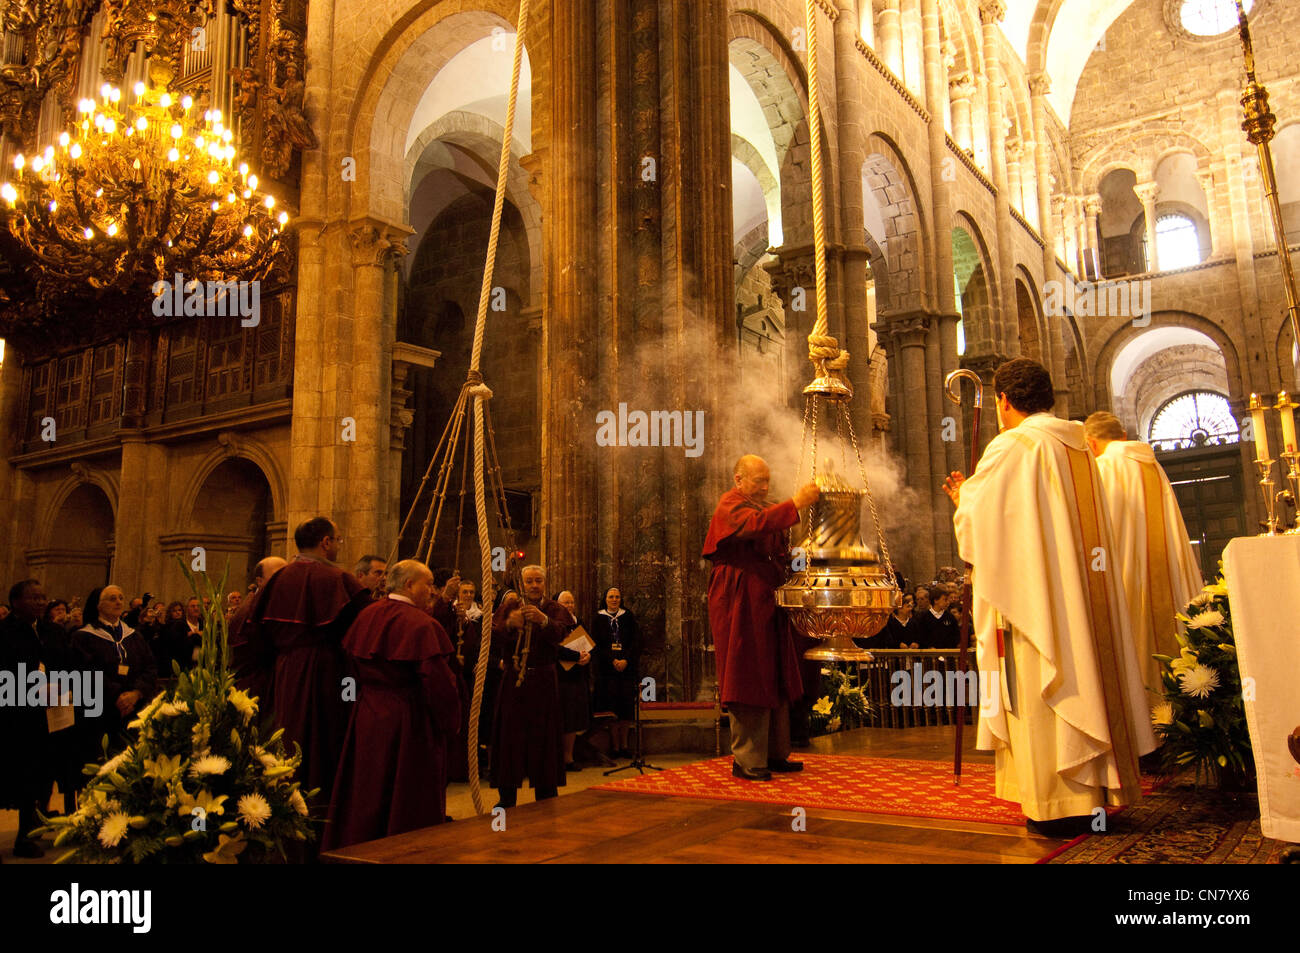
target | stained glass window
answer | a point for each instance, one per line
(1194, 419)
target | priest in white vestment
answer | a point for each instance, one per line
(1069, 718)
(1159, 568)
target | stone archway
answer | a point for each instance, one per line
(232, 518)
(71, 564)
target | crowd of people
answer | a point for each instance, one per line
(379, 756)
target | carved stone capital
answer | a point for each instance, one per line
(992, 11)
(961, 86)
(375, 244)
(229, 442)
(1092, 204)
(1146, 192)
(1040, 84)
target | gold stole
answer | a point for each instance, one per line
(1160, 589)
(1105, 640)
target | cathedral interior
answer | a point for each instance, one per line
(995, 173)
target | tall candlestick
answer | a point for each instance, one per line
(1287, 409)
(1261, 432)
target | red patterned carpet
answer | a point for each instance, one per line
(843, 783)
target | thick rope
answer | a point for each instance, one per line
(482, 393)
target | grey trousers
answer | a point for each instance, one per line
(759, 735)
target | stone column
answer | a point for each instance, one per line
(310, 332)
(1092, 253)
(1080, 235)
(961, 89)
(1014, 152)
(991, 14)
(909, 336)
(1146, 193)
(11, 434)
(913, 54)
(889, 32)
(941, 352)
(569, 323)
(134, 511)
(850, 128)
(1039, 87)
(1205, 178)
(362, 462)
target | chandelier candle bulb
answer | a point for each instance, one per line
(1287, 409)
(1261, 432)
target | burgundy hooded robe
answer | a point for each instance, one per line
(392, 773)
(289, 651)
(753, 640)
(463, 634)
(528, 731)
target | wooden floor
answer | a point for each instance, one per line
(602, 827)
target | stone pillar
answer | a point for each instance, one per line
(850, 127)
(134, 516)
(913, 75)
(1039, 87)
(307, 425)
(1146, 193)
(1015, 151)
(889, 32)
(1080, 235)
(11, 434)
(941, 351)
(569, 323)
(961, 89)
(1092, 253)
(364, 460)
(907, 337)
(991, 14)
(1205, 178)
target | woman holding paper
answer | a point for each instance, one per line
(574, 672)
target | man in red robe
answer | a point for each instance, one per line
(758, 665)
(289, 645)
(392, 774)
(528, 731)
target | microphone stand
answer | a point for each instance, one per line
(967, 591)
(638, 761)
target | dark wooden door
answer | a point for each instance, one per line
(1208, 484)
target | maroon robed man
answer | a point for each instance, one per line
(758, 665)
(392, 775)
(290, 647)
(528, 731)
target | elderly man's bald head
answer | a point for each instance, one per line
(752, 477)
(267, 568)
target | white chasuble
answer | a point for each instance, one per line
(1051, 625)
(1156, 561)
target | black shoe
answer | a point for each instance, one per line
(784, 766)
(28, 849)
(1062, 827)
(749, 774)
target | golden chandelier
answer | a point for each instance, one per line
(134, 194)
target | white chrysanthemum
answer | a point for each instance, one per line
(298, 802)
(113, 829)
(209, 764)
(1199, 681)
(112, 764)
(254, 811)
(246, 707)
(1202, 599)
(172, 709)
(269, 760)
(1162, 714)
(1205, 620)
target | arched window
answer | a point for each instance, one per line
(1210, 17)
(1198, 418)
(1177, 243)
